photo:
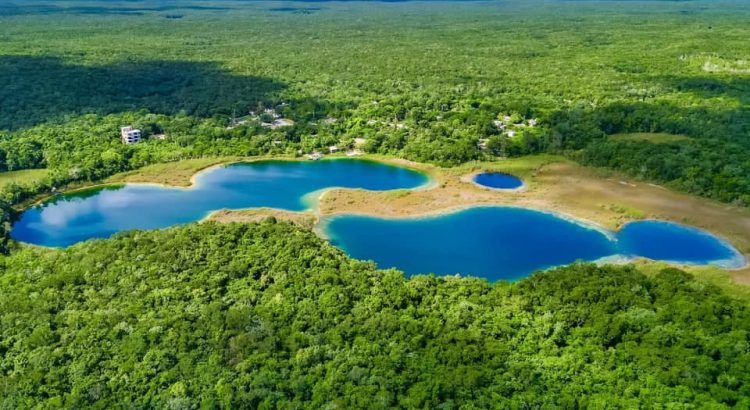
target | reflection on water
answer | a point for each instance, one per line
(511, 243)
(99, 213)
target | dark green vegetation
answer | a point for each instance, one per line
(266, 315)
(421, 82)
(270, 316)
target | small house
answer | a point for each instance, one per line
(333, 149)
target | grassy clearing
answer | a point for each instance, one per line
(178, 173)
(523, 167)
(652, 137)
(627, 212)
(713, 275)
(21, 177)
(303, 219)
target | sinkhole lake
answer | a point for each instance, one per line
(99, 213)
(498, 180)
(510, 243)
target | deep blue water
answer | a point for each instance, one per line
(495, 243)
(671, 242)
(510, 243)
(279, 184)
(498, 180)
(491, 242)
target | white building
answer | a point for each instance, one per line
(499, 124)
(130, 135)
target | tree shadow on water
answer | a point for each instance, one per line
(35, 90)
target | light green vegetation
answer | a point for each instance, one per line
(652, 137)
(707, 274)
(522, 167)
(25, 176)
(178, 173)
(626, 211)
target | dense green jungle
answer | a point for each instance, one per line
(267, 315)
(270, 316)
(420, 81)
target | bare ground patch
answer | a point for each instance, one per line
(304, 219)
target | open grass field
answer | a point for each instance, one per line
(179, 173)
(24, 176)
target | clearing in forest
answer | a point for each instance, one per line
(24, 176)
(652, 137)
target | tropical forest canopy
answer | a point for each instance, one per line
(422, 82)
(270, 316)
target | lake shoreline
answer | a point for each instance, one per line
(452, 186)
(738, 262)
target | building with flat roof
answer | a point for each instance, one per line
(130, 135)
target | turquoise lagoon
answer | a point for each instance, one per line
(491, 242)
(510, 243)
(99, 213)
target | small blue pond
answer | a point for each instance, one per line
(498, 180)
(99, 213)
(510, 243)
